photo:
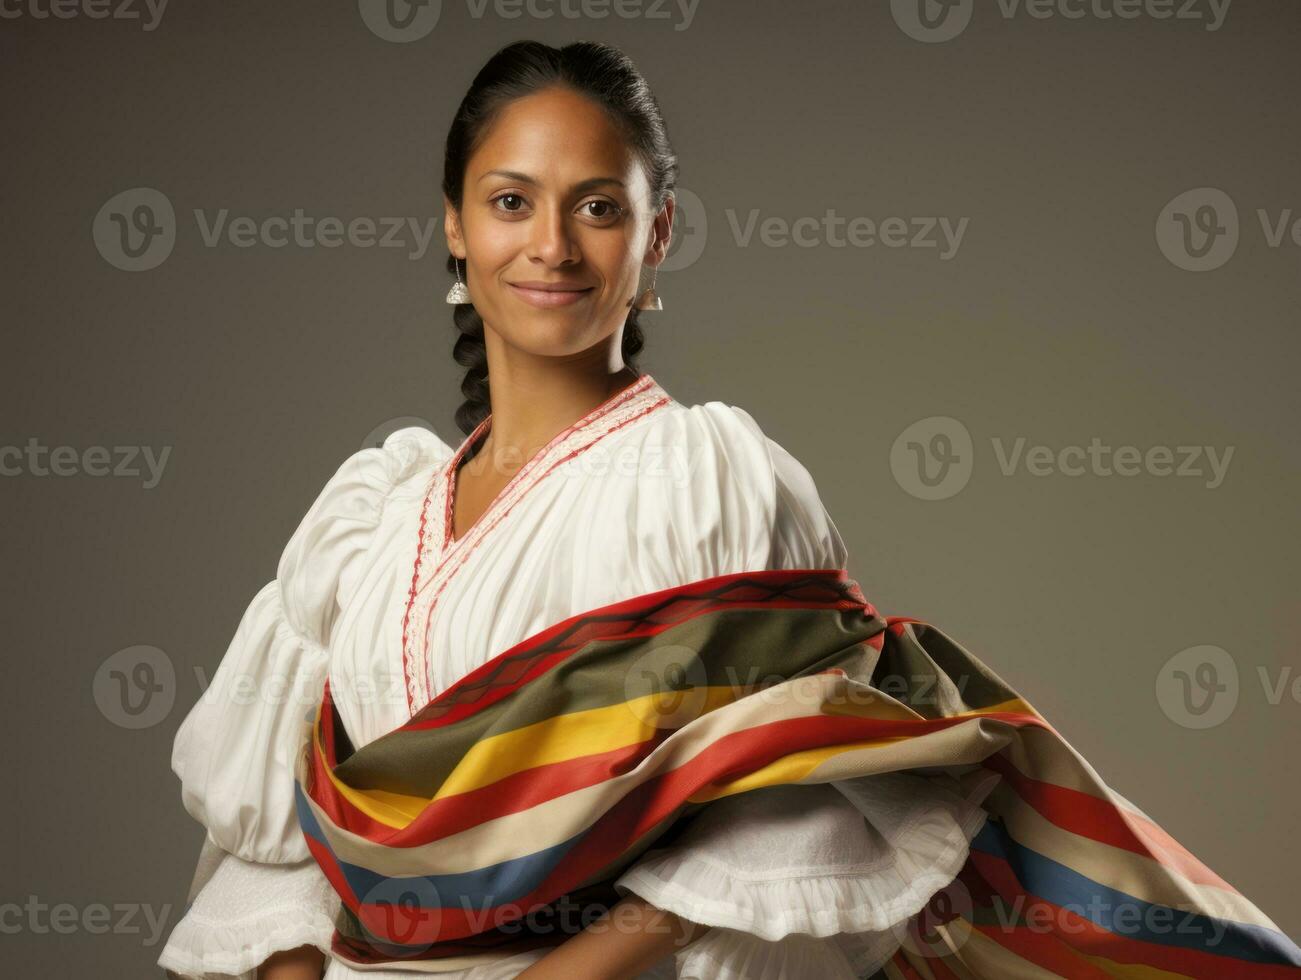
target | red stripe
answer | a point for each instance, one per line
(1088, 938)
(731, 756)
(511, 794)
(645, 806)
(1102, 821)
(1045, 950)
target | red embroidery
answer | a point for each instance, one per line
(631, 399)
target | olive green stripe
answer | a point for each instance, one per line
(723, 647)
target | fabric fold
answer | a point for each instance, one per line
(244, 913)
(811, 860)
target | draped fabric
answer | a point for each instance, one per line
(531, 784)
(805, 875)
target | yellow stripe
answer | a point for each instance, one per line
(560, 739)
(578, 734)
(1136, 971)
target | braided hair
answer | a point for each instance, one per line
(607, 76)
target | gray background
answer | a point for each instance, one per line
(1059, 319)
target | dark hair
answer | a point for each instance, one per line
(607, 76)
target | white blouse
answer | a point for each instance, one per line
(643, 493)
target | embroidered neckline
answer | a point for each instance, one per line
(481, 431)
(439, 557)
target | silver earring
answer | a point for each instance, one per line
(458, 293)
(648, 300)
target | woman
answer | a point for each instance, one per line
(581, 485)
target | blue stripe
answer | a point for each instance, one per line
(478, 890)
(1128, 916)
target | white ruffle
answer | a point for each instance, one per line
(244, 913)
(797, 884)
(725, 954)
(802, 859)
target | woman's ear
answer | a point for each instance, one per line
(452, 229)
(661, 233)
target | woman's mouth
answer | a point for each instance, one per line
(550, 296)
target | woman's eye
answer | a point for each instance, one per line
(610, 209)
(508, 197)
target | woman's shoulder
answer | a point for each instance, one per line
(709, 473)
(711, 425)
(719, 441)
(340, 523)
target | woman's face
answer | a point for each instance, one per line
(554, 198)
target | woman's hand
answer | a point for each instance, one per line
(627, 940)
(303, 963)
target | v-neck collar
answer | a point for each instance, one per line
(438, 557)
(594, 423)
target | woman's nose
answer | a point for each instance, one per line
(552, 239)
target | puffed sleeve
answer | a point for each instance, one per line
(712, 495)
(256, 889)
(796, 880)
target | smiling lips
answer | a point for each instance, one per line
(549, 294)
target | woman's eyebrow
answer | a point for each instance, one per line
(582, 185)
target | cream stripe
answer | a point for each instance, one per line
(1118, 868)
(986, 958)
(520, 834)
(963, 744)
(555, 740)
